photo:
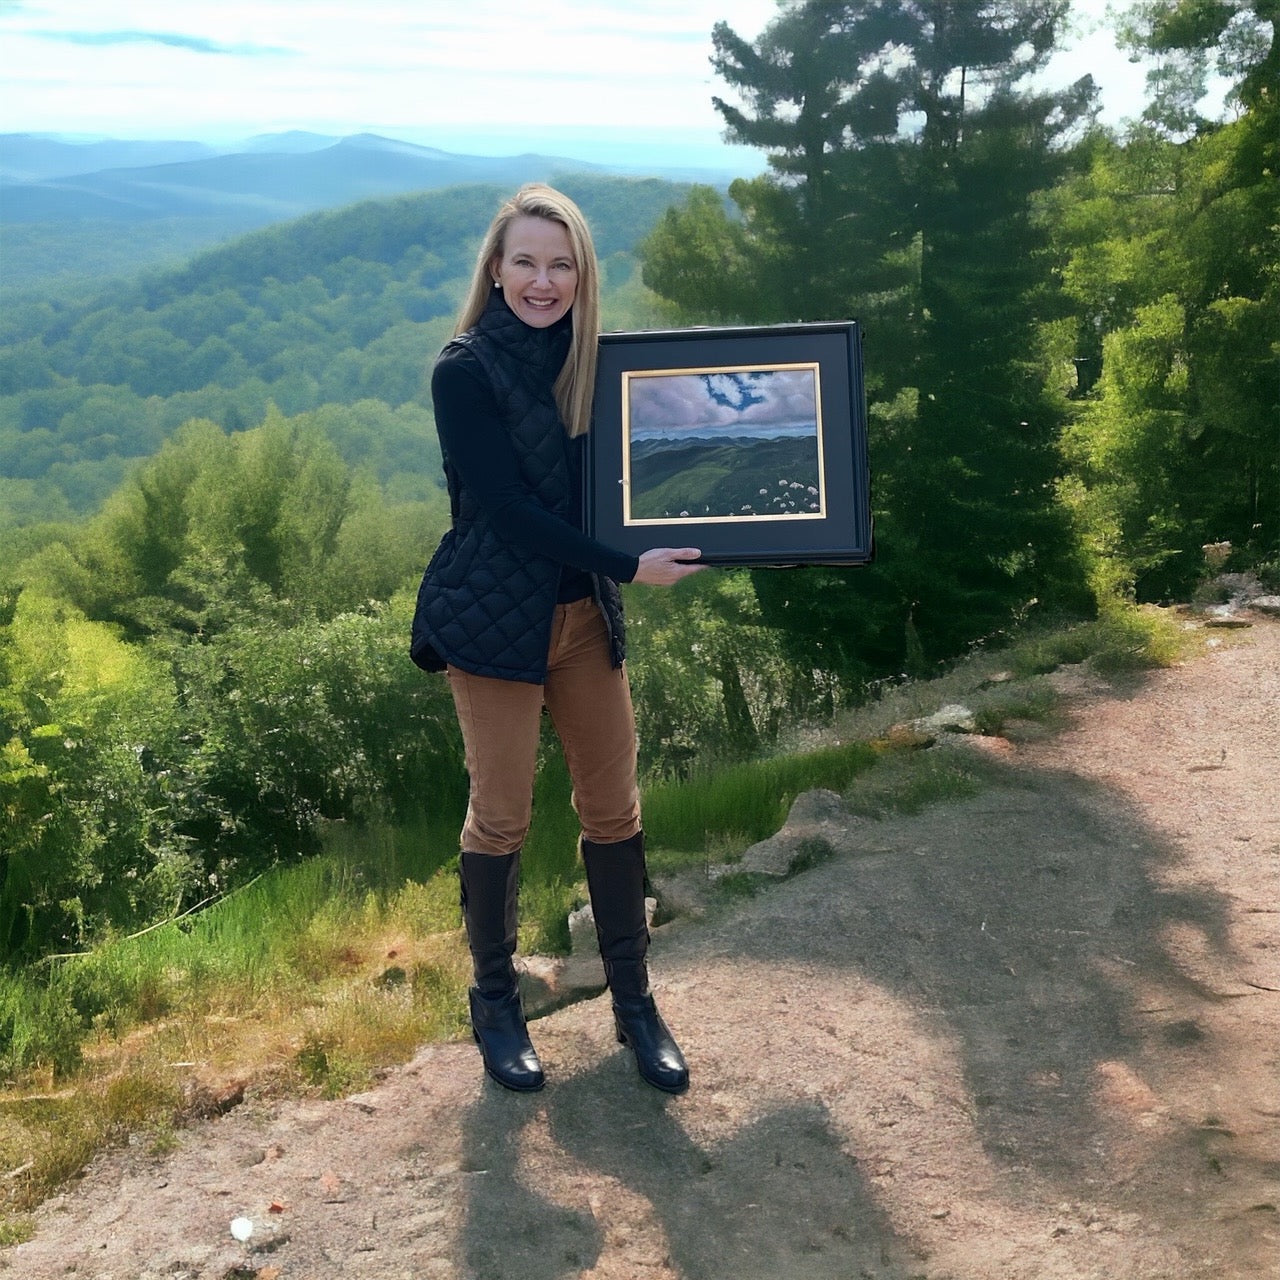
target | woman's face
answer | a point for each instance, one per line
(537, 271)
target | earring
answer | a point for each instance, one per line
(497, 284)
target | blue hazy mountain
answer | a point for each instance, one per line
(37, 157)
(253, 186)
(293, 140)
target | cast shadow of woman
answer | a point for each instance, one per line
(564, 1178)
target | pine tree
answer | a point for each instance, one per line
(906, 161)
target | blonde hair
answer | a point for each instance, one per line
(575, 387)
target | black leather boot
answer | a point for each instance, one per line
(489, 887)
(616, 881)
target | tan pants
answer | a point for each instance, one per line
(590, 705)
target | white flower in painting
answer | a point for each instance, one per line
(684, 513)
(763, 492)
(811, 489)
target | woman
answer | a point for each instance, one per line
(522, 610)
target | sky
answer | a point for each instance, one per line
(488, 76)
(676, 402)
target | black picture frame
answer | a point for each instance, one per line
(749, 443)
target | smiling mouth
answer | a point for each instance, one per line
(542, 304)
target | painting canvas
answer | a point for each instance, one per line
(723, 444)
(749, 443)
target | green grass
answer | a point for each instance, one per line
(16, 1229)
(751, 800)
(1121, 639)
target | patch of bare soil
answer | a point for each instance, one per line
(1030, 1035)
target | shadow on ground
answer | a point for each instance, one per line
(1026, 928)
(701, 1224)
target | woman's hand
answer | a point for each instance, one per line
(661, 566)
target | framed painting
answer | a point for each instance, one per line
(749, 443)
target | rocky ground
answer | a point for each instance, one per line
(1031, 1035)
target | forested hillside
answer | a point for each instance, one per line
(332, 309)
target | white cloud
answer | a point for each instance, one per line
(677, 400)
(145, 68)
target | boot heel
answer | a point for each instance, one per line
(658, 1058)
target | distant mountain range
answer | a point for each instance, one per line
(268, 179)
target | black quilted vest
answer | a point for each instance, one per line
(484, 605)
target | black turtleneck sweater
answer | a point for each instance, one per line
(477, 446)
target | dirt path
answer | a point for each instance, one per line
(1030, 1036)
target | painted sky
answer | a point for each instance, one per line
(502, 70)
(684, 401)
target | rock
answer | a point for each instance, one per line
(1076, 679)
(905, 737)
(582, 927)
(986, 745)
(1239, 593)
(548, 983)
(817, 827)
(1216, 554)
(543, 984)
(681, 894)
(582, 931)
(1239, 586)
(997, 678)
(953, 718)
(816, 808)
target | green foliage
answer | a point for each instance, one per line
(215, 527)
(928, 233)
(199, 676)
(44, 256)
(1237, 39)
(92, 836)
(712, 681)
(1174, 268)
(1153, 366)
(321, 720)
